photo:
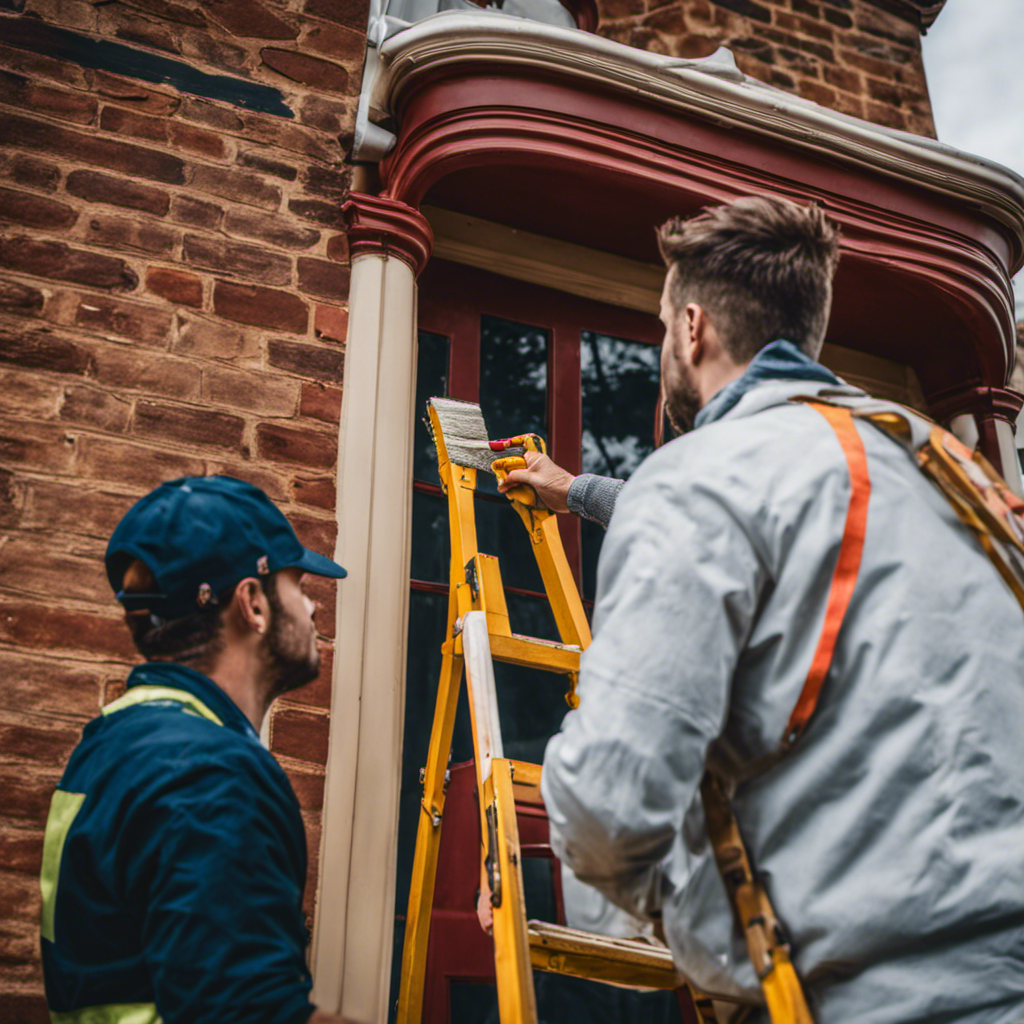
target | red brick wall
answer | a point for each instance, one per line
(173, 300)
(848, 55)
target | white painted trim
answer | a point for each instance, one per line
(355, 913)
(1009, 457)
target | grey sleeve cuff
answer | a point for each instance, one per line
(593, 497)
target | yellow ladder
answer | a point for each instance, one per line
(478, 632)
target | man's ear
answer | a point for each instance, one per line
(696, 325)
(249, 607)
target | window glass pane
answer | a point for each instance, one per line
(620, 381)
(430, 538)
(431, 382)
(500, 531)
(513, 377)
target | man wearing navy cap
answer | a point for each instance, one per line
(175, 856)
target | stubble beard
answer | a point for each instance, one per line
(292, 661)
(683, 403)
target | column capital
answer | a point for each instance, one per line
(387, 227)
(978, 400)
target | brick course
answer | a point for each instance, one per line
(149, 266)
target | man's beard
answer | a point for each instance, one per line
(683, 404)
(291, 661)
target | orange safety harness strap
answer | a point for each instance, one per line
(844, 578)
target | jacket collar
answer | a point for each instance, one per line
(180, 677)
(780, 360)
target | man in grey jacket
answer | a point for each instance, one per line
(889, 837)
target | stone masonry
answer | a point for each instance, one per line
(173, 300)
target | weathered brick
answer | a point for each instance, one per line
(804, 26)
(817, 92)
(196, 140)
(41, 684)
(274, 481)
(137, 30)
(187, 424)
(32, 396)
(145, 324)
(21, 849)
(72, 507)
(105, 188)
(322, 591)
(321, 402)
(20, 298)
(269, 228)
(255, 159)
(329, 115)
(63, 263)
(237, 258)
(92, 149)
(262, 307)
(46, 741)
(335, 41)
(882, 113)
(838, 18)
(171, 12)
(304, 447)
(316, 211)
(125, 367)
(41, 349)
(19, 91)
(275, 131)
(130, 122)
(26, 799)
(352, 13)
(320, 492)
(121, 233)
(308, 786)
(237, 185)
(195, 212)
(27, 170)
(844, 78)
(807, 7)
(175, 286)
(329, 182)
(131, 93)
(37, 445)
(316, 533)
(316, 361)
(12, 498)
(92, 407)
(331, 322)
(36, 65)
(248, 18)
(311, 71)
(337, 247)
(300, 734)
(209, 49)
(747, 8)
(105, 460)
(213, 341)
(323, 278)
(35, 211)
(255, 392)
(52, 628)
(224, 118)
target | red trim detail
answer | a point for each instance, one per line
(844, 578)
(387, 226)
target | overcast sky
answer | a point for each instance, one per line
(974, 59)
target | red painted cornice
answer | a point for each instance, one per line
(384, 226)
(979, 401)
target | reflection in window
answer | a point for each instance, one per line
(431, 382)
(513, 377)
(620, 380)
(620, 394)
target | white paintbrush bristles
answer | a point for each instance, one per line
(465, 434)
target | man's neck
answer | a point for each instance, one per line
(239, 673)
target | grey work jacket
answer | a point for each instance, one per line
(891, 839)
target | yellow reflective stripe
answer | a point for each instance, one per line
(63, 808)
(112, 1013)
(144, 694)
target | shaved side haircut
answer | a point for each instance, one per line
(761, 267)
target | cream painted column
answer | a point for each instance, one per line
(390, 243)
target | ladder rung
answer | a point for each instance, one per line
(531, 652)
(629, 962)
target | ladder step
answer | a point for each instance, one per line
(531, 652)
(630, 962)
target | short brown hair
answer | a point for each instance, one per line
(761, 267)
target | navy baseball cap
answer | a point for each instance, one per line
(200, 535)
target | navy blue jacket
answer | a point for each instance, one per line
(174, 864)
